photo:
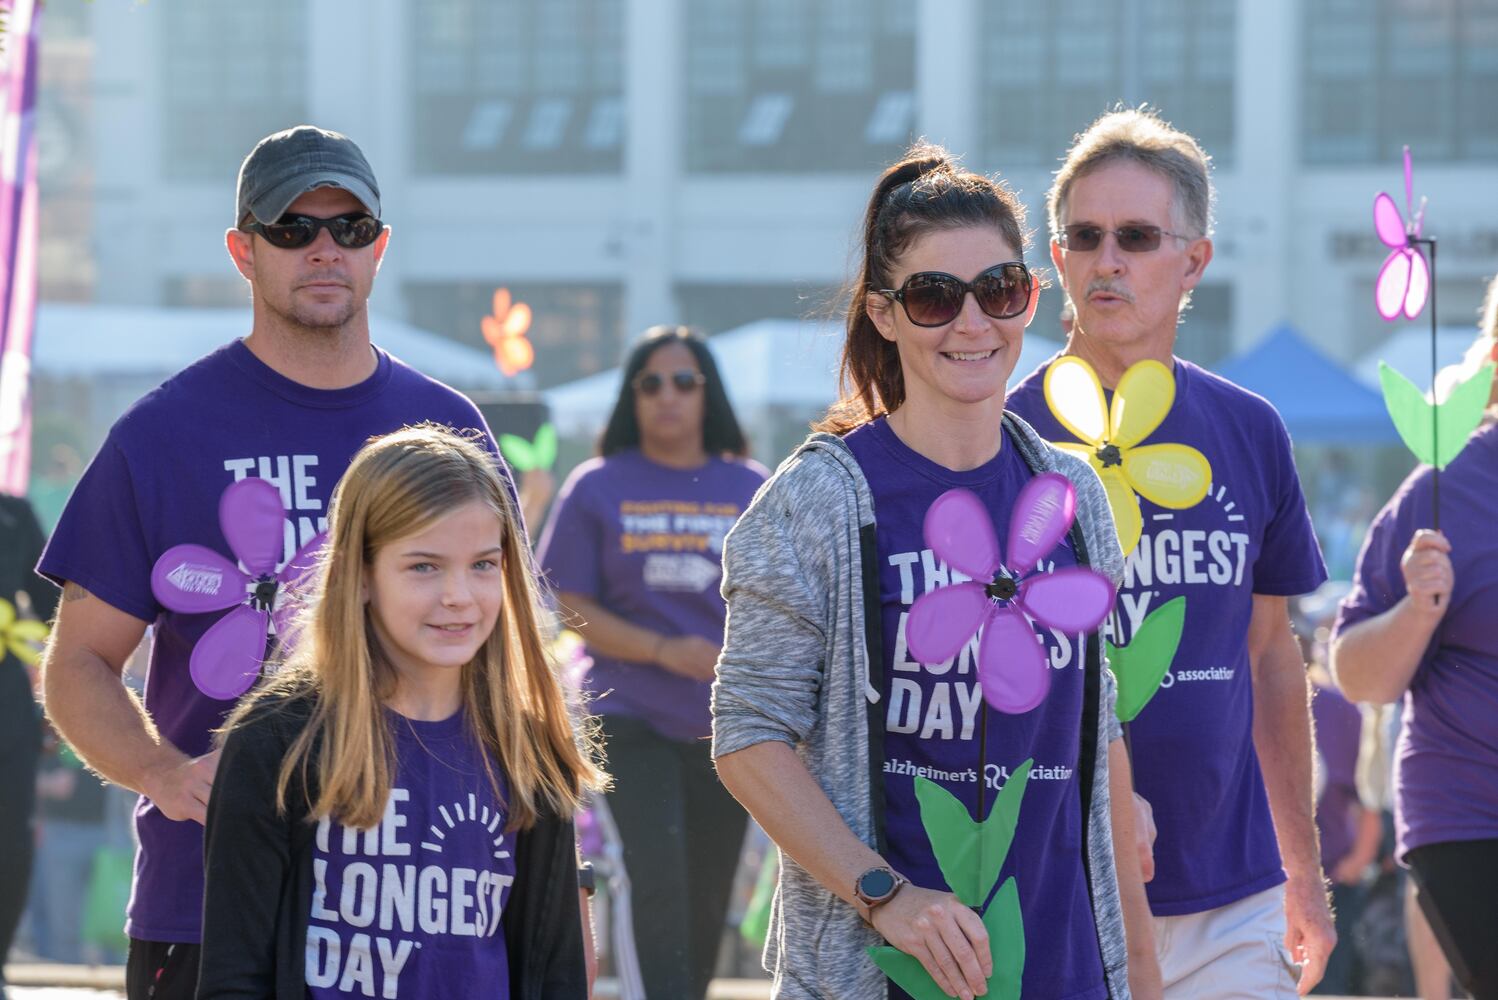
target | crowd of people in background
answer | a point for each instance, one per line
(395, 808)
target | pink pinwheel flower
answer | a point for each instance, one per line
(194, 579)
(1404, 279)
(997, 597)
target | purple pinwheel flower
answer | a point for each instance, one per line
(194, 579)
(1404, 279)
(997, 597)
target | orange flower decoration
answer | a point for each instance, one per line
(505, 332)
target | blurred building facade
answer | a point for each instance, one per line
(618, 163)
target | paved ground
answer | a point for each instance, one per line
(85, 983)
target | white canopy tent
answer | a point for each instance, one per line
(89, 341)
(789, 365)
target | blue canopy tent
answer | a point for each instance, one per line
(1319, 401)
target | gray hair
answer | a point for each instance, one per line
(1139, 135)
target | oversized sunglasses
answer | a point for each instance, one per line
(934, 298)
(1131, 239)
(292, 232)
(685, 380)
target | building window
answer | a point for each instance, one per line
(1380, 74)
(576, 329)
(231, 74)
(1206, 332)
(798, 85)
(1049, 70)
(517, 86)
(715, 308)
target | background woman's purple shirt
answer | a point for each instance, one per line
(646, 541)
(1446, 759)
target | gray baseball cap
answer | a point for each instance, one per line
(286, 165)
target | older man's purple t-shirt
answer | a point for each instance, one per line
(1193, 749)
(1446, 759)
(155, 483)
(645, 540)
(413, 906)
(932, 715)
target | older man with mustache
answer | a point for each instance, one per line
(1223, 752)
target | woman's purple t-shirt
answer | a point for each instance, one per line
(933, 713)
(155, 483)
(1446, 760)
(645, 540)
(412, 906)
(1193, 750)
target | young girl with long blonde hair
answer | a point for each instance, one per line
(393, 811)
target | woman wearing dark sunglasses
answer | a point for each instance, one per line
(633, 550)
(823, 722)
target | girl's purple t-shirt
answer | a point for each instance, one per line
(646, 541)
(155, 483)
(1446, 759)
(1193, 750)
(412, 907)
(932, 715)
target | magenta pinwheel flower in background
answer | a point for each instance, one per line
(194, 579)
(1404, 279)
(998, 596)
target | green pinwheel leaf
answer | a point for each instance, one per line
(970, 853)
(518, 452)
(545, 446)
(1418, 420)
(1141, 665)
(1006, 944)
(907, 973)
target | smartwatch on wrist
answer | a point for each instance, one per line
(876, 887)
(587, 880)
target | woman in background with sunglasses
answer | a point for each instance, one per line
(633, 550)
(824, 724)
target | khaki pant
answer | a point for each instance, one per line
(1235, 952)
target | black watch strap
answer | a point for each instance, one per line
(587, 878)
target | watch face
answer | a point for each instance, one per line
(876, 884)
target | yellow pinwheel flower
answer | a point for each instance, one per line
(1170, 475)
(23, 638)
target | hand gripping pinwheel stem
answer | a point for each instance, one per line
(194, 579)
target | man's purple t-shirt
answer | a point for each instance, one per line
(1339, 729)
(1193, 749)
(932, 716)
(1446, 759)
(412, 907)
(645, 540)
(155, 483)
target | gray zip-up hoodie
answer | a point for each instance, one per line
(797, 667)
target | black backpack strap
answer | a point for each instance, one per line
(873, 632)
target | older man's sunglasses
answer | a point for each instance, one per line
(934, 298)
(1083, 238)
(292, 232)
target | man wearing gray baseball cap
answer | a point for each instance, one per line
(290, 403)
